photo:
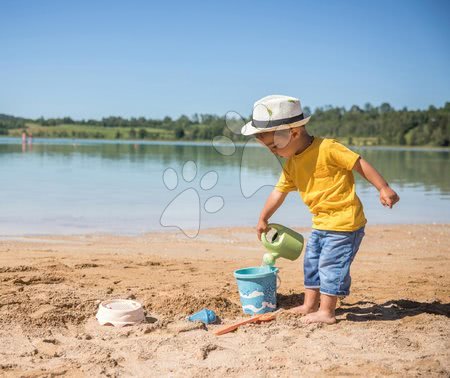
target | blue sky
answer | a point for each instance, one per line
(90, 59)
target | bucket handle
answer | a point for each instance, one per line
(278, 281)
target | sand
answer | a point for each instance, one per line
(395, 322)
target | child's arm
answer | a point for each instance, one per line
(274, 201)
(388, 197)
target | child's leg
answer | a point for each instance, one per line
(311, 273)
(337, 254)
(326, 312)
(310, 303)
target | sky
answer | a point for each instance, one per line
(93, 59)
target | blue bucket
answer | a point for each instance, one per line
(257, 289)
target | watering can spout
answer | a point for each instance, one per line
(284, 243)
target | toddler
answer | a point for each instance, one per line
(321, 170)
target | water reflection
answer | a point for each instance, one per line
(429, 169)
(66, 186)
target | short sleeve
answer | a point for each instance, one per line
(285, 183)
(342, 156)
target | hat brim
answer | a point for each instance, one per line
(249, 129)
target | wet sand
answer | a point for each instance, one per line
(395, 322)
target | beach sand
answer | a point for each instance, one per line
(395, 322)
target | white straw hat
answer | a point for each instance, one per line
(276, 112)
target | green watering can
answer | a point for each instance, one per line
(285, 243)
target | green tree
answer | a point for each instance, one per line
(142, 133)
(179, 132)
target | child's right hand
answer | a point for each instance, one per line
(388, 197)
(261, 227)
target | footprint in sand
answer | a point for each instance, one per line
(184, 211)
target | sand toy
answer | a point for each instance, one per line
(120, 312)
(257, 289)
(205, 316)
(284, 243)
(254, 319)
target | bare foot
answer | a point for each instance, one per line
(302, 309)
(319, 317)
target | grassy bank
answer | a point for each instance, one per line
(79, 131)
(92, 132)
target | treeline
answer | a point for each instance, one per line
(9, 122)
(370, 125)
(385, 124)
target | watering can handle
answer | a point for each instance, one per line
(275, 226)
(264, 238)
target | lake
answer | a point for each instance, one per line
(57, 186)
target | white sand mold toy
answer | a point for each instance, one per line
(120, 312)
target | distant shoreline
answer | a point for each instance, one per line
(164, 231)
(205, 142)
(368, 126)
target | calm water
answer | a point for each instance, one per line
(76, 186)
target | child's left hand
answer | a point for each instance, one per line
(388, 197)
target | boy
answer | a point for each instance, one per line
(321, 171)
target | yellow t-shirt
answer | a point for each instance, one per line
(323, 176)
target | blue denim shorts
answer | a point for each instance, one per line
(327, 260)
